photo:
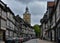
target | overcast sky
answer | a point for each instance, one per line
(37, 8)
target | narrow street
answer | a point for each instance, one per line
(37, 41)
(25, 21)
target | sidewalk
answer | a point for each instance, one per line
(2, 42)
(45, 41)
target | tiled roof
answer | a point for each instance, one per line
(50, 4)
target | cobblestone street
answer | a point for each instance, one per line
(38, 41)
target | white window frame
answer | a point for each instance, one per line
(3, 23)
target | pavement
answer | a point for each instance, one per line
(2, 42)
(38, 41)
(45, 41)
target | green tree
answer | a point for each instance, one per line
(37, 30)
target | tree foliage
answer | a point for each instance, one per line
(37, 30)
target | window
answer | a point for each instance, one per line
(1, 35)
(52, 34)
(46, 26)
(11, 34)
(8, 15)
(59, 8)
(0, 11)
(58, 32)
(58, 13)
(57, 16)
(11, 25)
(3, 23)
(43, 26)
(16, 28)
(15, 34)
(3, 14)
(7, 34)
(11, 17)
(8, 23)
(53, 19)
(13, 20)
(48, 23)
